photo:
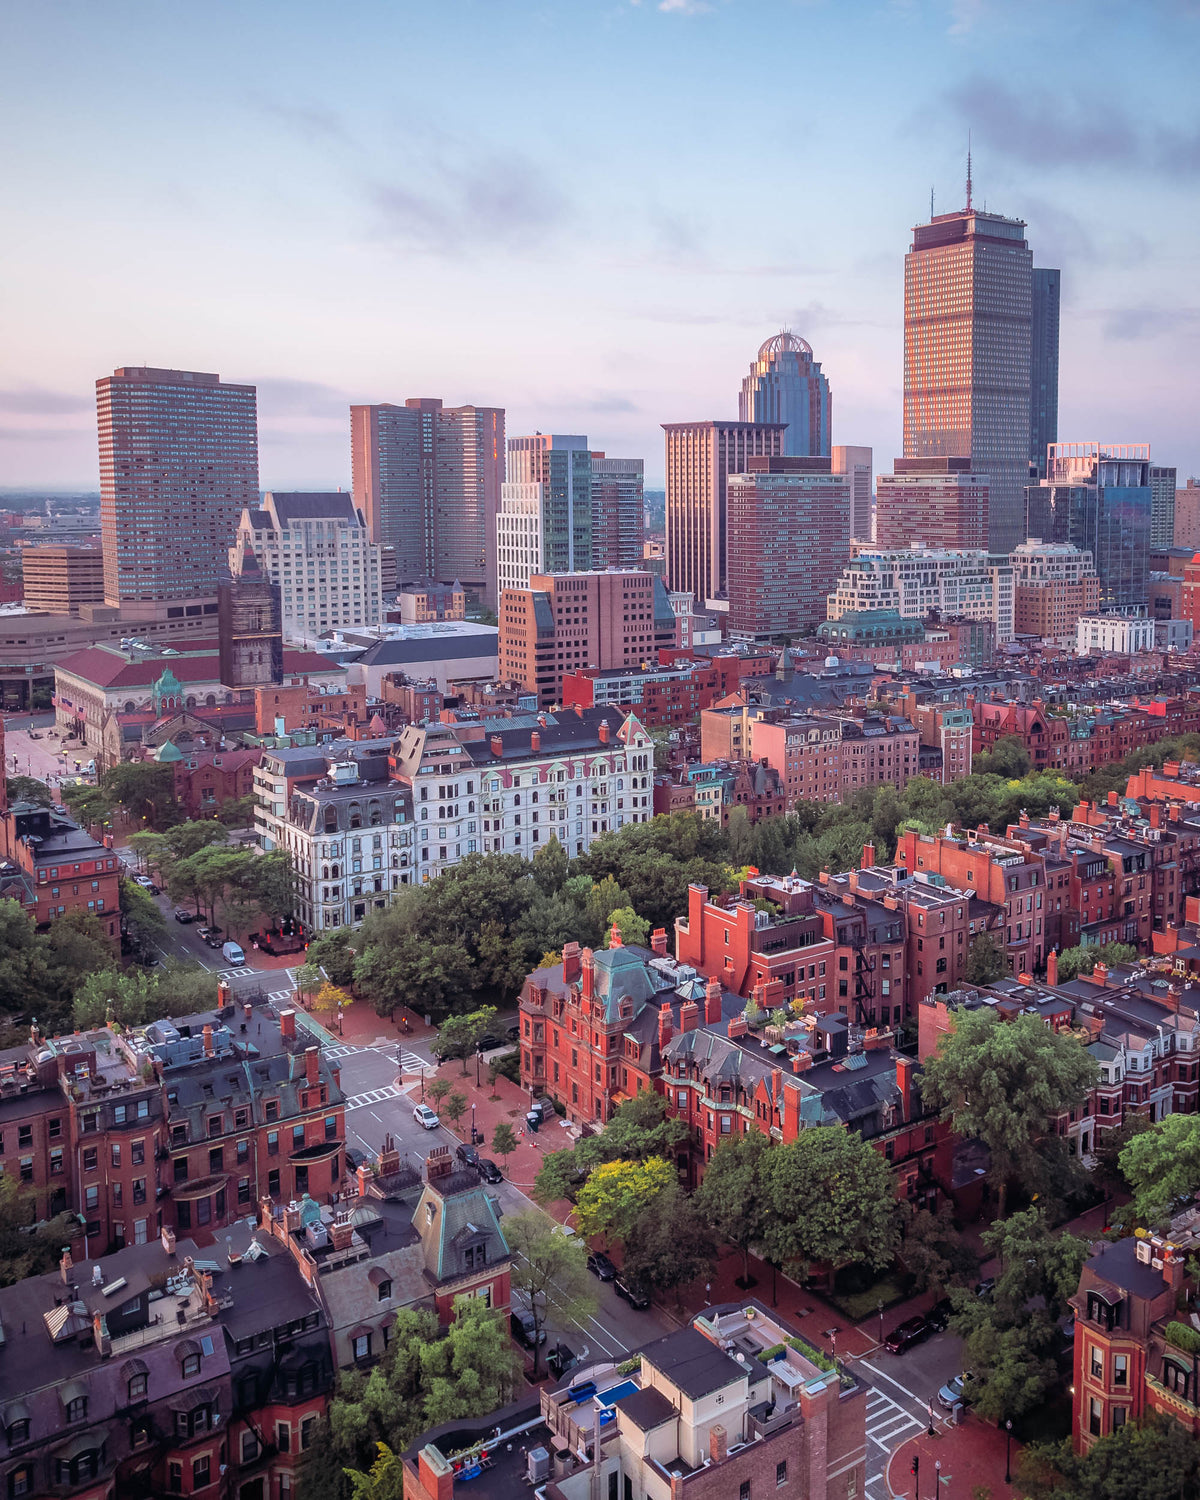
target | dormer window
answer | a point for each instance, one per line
(385, 1290)
(191, 1366)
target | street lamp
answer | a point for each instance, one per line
(1008, 1451)
(472, 1124)
(880, 1305)
(937, 1478)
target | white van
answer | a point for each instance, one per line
(232, 954)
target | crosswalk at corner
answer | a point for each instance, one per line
(889, 1423)
(374, 1096)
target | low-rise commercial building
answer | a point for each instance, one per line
(919, 579)
(1124, 635)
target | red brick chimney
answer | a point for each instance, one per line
(1112, 799)
(436, 1476)
(615, 939)
(718, 1443)
(363, 1177)
(588, 985)
(712, 1002)
(168, 1239)
(666, 1026)
(1100, 975)
(658, 941)
(287, 1023)
(497, 745)
(208, 1041)
(1052, 967)
(604, 732)
(689, 1016)
(439, 1163)
(905, 1069)
(312, 1056)
(223, 993)
(535, 742)
(1155, 815)
(868, 857)
(571, 964)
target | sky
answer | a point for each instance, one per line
(589, 212)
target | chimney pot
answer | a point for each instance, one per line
(718, 1443)
(658, 941)
(312, 1057)
(287, 1023)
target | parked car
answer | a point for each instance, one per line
(905, 1335)
(631, 1292)
(211, 935)
(233, 955)
(488, 1042)
(181, 914)
(524, 1330)
(146, 883)
(956, 1391)
(423, 1115)
(599, 1265)
(467, 1155)
(986, 1287)
(488, 1170)
(939, 1315)
(355, 1158)
(513, 1033)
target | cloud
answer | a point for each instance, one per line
(473, 203)
(311, 121)
(684, 7)
(1041, 128)
(1129, 324)
(32, 401)
(281, 397)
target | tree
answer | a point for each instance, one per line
(332, 952)
(985, 960)
(504, 1141)
(145, 789)
(1072, 962)
(384, 1481)
(271, 885)
(1157, 1459)
(87, 804)
(671, 1244)
(548, 1265)
(631, 927)
(186, 839)
(454, 1107)
(472, 1370)
(637, 1130)
(1162, 1164)
(1008, 757)
(1003, 1082)
(458, 1036)
(28, 789)
(617, 1193)
(437, 1089)
(237, 812)
(25, 1252)
(931, 1250)
(550, 866)
(328, 999)
(730, 1196)
(129, 996)
(140, 915)
(828, 1196)
(308, 979)
(151, 849)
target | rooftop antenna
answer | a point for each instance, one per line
(968, 171)
(931, 202)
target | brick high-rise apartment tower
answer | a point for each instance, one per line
(427, 478)
(968, 282)
(178, 465)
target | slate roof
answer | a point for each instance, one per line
(105, 668)
(312, 505)
(401, 651)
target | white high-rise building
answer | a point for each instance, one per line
(519, 535)
(317, 548)
(917, 579)
(858, 463)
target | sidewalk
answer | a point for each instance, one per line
(971, 1456)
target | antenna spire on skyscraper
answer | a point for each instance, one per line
(968, 171)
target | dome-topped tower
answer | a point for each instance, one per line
(785, 384)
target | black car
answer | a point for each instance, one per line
(181, 914)
(599, 1265)
(905, 1335)
(488, 1042)
(212, 936)
(514, 1033)
(939, 1315)
(986, 1287)
(467, 1155)
(488, 1170)
(523, 1328)
(632, 1293)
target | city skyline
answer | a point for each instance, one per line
(342, 252)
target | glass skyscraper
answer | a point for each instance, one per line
(785, 384)
(1043, 369)
(562, 465)
(1097, 497)
(967, 311)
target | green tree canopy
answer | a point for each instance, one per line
(1157, 1459)
(1162, 1164)
(639, 1128)
(144, 789)
(985, 960)
(28, 789)
(548, 1266)
(671, 1244)
(1004, 1082)
(140, 915)
(629, 925)
(829, 1196)
(1075, 961)
(616, 1195)
(731, 1196)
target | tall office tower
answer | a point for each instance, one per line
(700, 457)
(427, 478)
(249, 623)
(785, 384)
(562, 465)
(1043, 368)
(859, 464)
(937, 501)
(178, 465)
(1162, 506)
(57, 580)
(789, 538)
(967, 309)
(1097, 497)
(618, 511)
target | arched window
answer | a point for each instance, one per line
(191, 700)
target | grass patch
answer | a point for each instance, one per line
(855, 1306)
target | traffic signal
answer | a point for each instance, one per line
(915, 1467)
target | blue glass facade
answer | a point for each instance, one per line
(785, 384)
(1111, 520)
(1043, 368)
